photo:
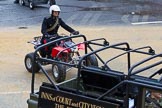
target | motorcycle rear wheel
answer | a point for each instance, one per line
(29, 63)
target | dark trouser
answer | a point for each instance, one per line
(48, 49)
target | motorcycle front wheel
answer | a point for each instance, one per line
(59, 72)
(92, 60)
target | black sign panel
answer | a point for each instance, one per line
(50, 98)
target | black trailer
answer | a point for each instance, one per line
(101, 86)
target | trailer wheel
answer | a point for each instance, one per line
(59, 72)
(31, 5)
(21, 2)
(92, 60)
(28, 63)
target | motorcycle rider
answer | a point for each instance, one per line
(51, 25)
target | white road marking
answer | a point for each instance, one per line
(72, 18)
(135, 18)
(16, 92)
(145, 18)
(94, 20)
(124, 18)
(140, 23)
(86, 18)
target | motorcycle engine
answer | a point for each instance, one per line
(70, 44)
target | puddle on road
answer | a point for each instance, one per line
(96, 9)
(139, 7)
(22, 27)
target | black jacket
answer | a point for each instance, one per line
(49, 22)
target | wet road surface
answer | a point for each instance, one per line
(84, 12)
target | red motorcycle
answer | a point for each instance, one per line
(65, 50)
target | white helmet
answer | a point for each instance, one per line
(54, 8)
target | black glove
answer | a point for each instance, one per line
(75, 32)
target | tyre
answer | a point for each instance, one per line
(92, 60)
(16, 1)
(28, 63)
(21, 2)
(59, 72)
(31, 5)
(52, 2)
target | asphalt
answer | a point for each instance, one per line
(84, 12)
(74, 12)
